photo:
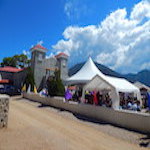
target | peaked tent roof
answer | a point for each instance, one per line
(89, 71)
(86, 73)
(120, 84)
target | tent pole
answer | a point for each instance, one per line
(139, 98)
(83, 95)
(115, 99)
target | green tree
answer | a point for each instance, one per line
(29, 79)
(22, 60)
(8, 61)
(16, 61)
(55, 85)
(60, 86)
(52, 86)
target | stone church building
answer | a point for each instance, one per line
(44, 67)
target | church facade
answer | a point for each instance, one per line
(44, 67)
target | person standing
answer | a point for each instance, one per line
(95, 100)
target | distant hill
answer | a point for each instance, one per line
(102, 68)
(143, 76)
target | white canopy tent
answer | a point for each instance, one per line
(95, 79)
(85, 74)
(114, 85)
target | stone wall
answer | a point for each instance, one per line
(62, 63)
(39, 64)
(135, 121)
(4, 107)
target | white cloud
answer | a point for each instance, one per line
(26, 53)
(50, 55)
(68, 8)
(75, 8)
(145, 65)
(120, 42)
(141, 10)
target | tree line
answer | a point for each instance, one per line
(19, 61)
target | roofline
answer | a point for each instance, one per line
(144, 86)
(61, 54)
(68, 82)
(101, 79)
(13, 71)
(39, 49)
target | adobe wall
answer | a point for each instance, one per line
(4, 108)
(128, 119)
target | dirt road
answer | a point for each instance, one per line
(34, 128)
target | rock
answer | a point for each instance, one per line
(4, 108)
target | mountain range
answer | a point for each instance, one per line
(142, 76)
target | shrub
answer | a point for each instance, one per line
(55, 85)
(29, 80)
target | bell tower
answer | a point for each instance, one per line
(38, 54)
(62, 63)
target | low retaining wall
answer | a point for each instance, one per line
(134, 121)
(4, 107)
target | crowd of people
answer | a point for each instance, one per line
(73, 95)
(102, 98)
(130, 104)
(91, 97)
(128, 101)
(98, 98)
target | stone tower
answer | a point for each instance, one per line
(43, 67)
(37, 58)
(62, 61)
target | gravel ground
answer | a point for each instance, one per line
(118, 132)
(121, 133)
(32, 126)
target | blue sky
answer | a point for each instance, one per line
(79, 28)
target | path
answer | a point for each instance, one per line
(34, 128)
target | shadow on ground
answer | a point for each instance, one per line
(145, 141)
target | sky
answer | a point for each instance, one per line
(115, 33)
